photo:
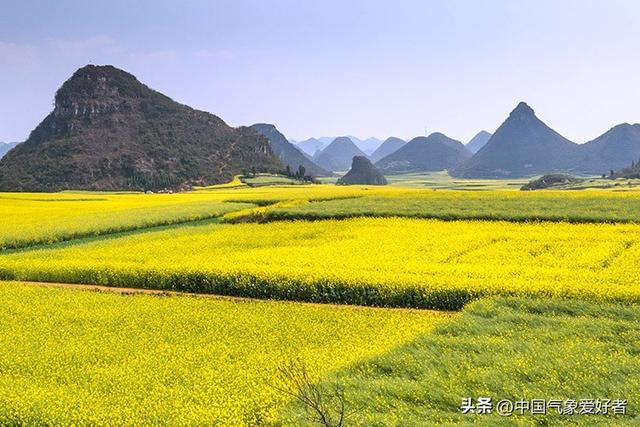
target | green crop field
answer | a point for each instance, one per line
(586, 206)
(442, 180)
(514, 349)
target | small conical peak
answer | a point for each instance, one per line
(522, 110)
(342, 140)
(437, 135)
(482, 133)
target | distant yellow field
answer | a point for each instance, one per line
(370, 261)
(30, 218)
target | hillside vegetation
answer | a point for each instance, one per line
(108, 131)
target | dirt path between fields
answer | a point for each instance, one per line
(133, 291)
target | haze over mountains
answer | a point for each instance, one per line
(338, 155)
(390, 145)
(5, 147)
(423, 154)
(311, 146)
(287, 152)
(108, 131)
(478, 141)
(368, 146)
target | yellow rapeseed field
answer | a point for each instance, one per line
(45, 218)
(34, 218)
(70, 357)
(371, 261)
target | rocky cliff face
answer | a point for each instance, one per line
(362, 172)
(108, 131)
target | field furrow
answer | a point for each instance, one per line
(394, 262)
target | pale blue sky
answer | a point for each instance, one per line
(365, 68)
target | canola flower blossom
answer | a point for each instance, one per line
(42, 218)
(396, 262)
(75, 357)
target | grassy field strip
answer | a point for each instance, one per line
(75, 357)
(37, 218)
(442, 180)
(393, 262)
(578, 207)
(504, 349)
(26, 222)
(34, 218)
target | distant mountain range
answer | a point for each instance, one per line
(478, 141)
(311, 146)
(5, 147)
(362, 172)
(389, 146)
(108, 131)
(338, 155)
(368, 146)
(287, 152)
(524, 146)
(422, 154)
(615, 149)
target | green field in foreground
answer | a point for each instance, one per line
(71, 357)
(92, 358)
(75, 357)
(504, 349)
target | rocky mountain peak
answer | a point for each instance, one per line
(362, 172)
(97, 90)
(522, 110)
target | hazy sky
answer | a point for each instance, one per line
(365, 68)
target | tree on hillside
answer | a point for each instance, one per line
(301, 171)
